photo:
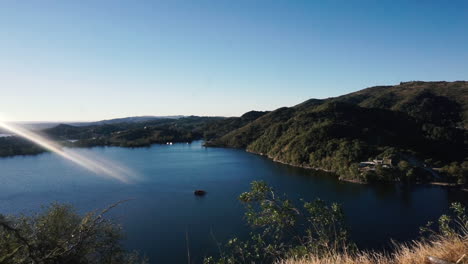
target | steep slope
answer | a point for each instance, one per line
(221, 127)
(243, 136)
(441, 103)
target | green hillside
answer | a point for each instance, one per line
(408, 129)
(442, 103)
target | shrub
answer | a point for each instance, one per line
(282, 230)
(60, 235)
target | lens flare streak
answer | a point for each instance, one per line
(91, 162)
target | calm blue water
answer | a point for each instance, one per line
(164, 207)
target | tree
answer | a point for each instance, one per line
(60, 235)
(457, 171)
(403, 165)
(281, 230)
(453, 224)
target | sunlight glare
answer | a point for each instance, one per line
(97, 165)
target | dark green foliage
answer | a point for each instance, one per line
(11, 146)
(457, 171)
(415, 121)
(452, 224)
(440, 103)
(213, 130)
(60, 235)
(64, 132)
(243, 136)
(281, 230)
(133, 134)
(336, 136)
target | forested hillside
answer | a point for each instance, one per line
(410, 132)
(415, 131)
(441, 103)
(131, 134)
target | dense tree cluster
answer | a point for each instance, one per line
(412, 122)
(133, 134)
(60, 235)
(337, 136)
(11, 146)
(440, 103)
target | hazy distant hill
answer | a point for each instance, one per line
(41, 125)
(37, 125)
(133, 132)
(415, 121)
(132, 119)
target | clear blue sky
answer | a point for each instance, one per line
(97, 59)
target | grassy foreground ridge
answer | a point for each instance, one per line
(450, 249)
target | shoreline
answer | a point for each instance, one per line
(74, 146)
(433, 183)
(289, 164)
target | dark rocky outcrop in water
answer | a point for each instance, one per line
(199, 192)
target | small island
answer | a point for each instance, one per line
(199, 192)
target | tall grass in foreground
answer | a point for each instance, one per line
(447, 244)
(453, 249)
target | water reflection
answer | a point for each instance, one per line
(165, 206)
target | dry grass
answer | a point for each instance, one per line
(450, 249)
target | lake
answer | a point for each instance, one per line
(164, 209)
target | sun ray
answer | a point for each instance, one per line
(97, 165)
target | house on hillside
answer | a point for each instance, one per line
(371, 165)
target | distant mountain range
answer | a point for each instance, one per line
(38, 125)
(132, 119)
